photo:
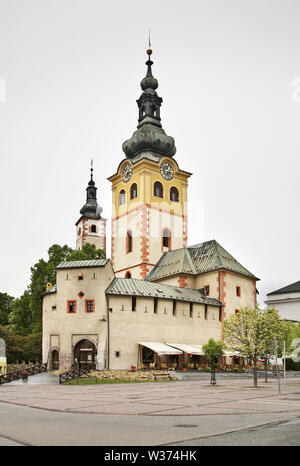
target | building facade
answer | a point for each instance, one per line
(287, 301)
(156, 297)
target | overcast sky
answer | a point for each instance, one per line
(227, 71)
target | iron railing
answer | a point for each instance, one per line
(16, 375)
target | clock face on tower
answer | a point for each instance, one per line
(127, 172)
(166, 171)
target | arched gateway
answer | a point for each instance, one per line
(85, 353)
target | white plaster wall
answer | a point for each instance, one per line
(288, 305)
(127, 328)
(67, 326)
(247, 298)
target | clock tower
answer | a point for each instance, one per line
(149, 192)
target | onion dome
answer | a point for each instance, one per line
(91, 209)
(149, 136)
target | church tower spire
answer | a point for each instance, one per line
(149, 191)
(91, 227)
(150, 136)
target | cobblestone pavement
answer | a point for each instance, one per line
(140, 414)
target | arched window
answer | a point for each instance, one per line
(174, 194)
(122, 197)
(93, 229)
(158, 189)
(166, 239)
(128, 275)
(133, 191)
(129, 242)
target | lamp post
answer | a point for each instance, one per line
(277, 371)
(213, 381)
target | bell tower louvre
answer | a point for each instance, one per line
(149, 192)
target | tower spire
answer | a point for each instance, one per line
(92, 162)
(91, 209)
(150, 137)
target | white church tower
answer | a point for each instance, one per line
(91, 227)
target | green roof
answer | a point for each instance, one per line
(195, 260)
(142, 288)
(293, 288)
(82, 264)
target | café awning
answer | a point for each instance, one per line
(190, 349)
(159, 348)
(231, 354)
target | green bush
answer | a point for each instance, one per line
(208, 369)
(292, 365)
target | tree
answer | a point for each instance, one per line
(212, 350)
(242, 333)
(26, 315)
(20, 318)
(32, 345)
(271, 327)
(14, 345)
(6, 302)
(252, 333)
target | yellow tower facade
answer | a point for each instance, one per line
(149, 192)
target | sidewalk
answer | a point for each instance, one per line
(159, 399)
(141, 414)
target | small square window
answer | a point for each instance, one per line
(238, 291)
(117, 354)
(80, 276)
(71, 307)
(90, 305)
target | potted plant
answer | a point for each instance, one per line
(133, 368)
(184, 366)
